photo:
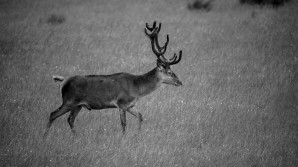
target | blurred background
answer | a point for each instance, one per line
(237, 106)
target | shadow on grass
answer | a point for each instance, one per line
(200, 5)
(6, 47)
(56, 19)
(274, 3)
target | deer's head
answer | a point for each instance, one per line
(163, 65)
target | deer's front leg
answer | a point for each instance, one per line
(123, 119)
(138, 115)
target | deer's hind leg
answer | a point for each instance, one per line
(64, 108)
(72, 116)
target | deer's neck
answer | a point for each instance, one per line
(148, 82)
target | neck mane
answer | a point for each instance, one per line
(147, 82)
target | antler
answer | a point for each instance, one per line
(174, 60)
(159, 51)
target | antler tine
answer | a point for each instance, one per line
(159, 27)
(164, 48)
(174, 61)
(151, 36)
(157, 43)
(153, 26)
(154, 30)
(157, 53)
(174, 58)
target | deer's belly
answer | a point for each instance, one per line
(126, 103)
(96, 105)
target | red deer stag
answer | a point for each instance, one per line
(120, 90)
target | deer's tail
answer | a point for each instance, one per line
(58, 78)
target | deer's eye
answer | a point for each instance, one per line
(169, 72)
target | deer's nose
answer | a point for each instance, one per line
(179, 83)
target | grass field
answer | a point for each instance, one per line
(238, 105)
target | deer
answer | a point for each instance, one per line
(119, 90)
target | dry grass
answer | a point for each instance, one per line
(238, 105)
